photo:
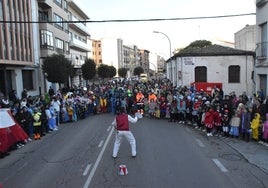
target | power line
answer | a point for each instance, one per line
(132, 20)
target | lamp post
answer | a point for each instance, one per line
(171, 75)
(168, 41)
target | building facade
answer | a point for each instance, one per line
(261, 65)
(231, 67)
(80, 43)
(245, 39)
(18, 65)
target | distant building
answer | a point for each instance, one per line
(229, 66)
(97, 52)
(245, 39)
(144, 60)
(261, 66)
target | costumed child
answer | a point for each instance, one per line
(225, 123)
(218, 121)
(157, 111)
(265, 129)
(255, 123)
(245, 124)
(209, 120)
(37, 122)
(234, 125)
(152, 106)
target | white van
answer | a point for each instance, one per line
(143, 77)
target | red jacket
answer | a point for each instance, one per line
(122, 122)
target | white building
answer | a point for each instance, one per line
(112, 52)
(261, 66)
(245, 39)
(231, 67)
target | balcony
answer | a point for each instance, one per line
(261, 50)
(77, 63)
(79, 45)
(261, 3)
(44, 4)
(78, 26)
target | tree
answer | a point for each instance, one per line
(138, 71)
(89, 69)
(103, 71)
(57, 68)
(112, 71)
(122, 72)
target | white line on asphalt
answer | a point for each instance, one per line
(218, 163)
(100, 144)
(109, 128)
(87, 183)
(200, 143)
(86, 170)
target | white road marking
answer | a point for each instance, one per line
(88, 181)
(86, 170)
(218, 163)
(109, 128)
(100, 144)
(200, 143)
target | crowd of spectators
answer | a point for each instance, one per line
(216, 113)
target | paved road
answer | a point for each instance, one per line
(169, 154)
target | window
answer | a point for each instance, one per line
(27, 79)
(264, 39)
(58, 2)
(47, 39)
(67, 47)
(59, 45)
(201, 74)
(58, 21)
(234, 74)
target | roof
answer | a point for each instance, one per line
(213, 50)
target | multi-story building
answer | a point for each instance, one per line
(79, 37)
(131, 58)
(63, 30)
(96, 52)
(18, 66)
(261, 65)
(53, 30)
(144, 59)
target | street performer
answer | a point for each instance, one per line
(121, 124)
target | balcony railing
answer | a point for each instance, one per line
(262, 50)
(79, 26)
(77, 44)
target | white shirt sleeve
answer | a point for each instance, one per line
(132, 120)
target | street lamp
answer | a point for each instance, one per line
(168, 41)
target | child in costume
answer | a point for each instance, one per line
(255, 123)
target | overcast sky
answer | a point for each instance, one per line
(180, 32)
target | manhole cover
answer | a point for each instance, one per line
(230, 157)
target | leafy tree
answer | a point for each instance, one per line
(57, 68)
(138, 71)
(89, 69)
(112, 71)
(122, 72)
(103, 71)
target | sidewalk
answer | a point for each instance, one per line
(255, 152)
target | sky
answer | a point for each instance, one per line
(180, 32)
